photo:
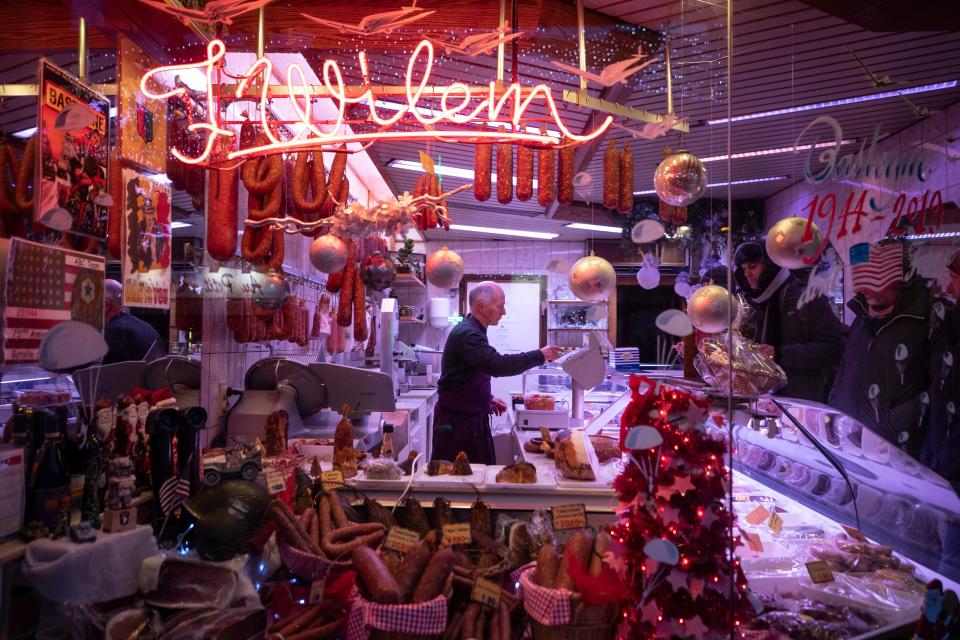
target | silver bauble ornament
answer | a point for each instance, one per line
(274, 290)
(328, 254)
(680, 179)
(785, 244)
(592, 279)
(444, 268)
(376, 272)
(708, 308)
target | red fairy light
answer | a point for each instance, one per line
(454, 102)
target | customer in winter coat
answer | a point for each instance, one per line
(941, 448)
(889, 353)
(806, 340)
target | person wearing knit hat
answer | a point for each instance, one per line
(890, 348)
(805, 340)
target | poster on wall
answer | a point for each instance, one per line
(73, 126)
(44, 285)
(143, 124)
(145, 244)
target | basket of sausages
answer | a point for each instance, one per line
(322, 538)
(553, 604)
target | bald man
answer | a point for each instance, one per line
(128, 337)
(462, 421)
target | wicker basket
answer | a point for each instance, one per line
(573, 631)
(594, 622)
(398, 616)
(376, 634)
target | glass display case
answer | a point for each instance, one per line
(552, 381)
(31, 386)
(576, 315)
(841, 469)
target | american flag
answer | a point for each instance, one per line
(175, 490)
(881, 268)
(41, 282)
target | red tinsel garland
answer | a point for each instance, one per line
(688, 509)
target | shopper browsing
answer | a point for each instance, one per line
(128, 337)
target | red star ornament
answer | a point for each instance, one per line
(677, 579)
(650, 612)
(695, 627)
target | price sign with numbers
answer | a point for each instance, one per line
(819, 571)
(758, 516)
(753, 541)
(485, 592)
(456, 534)
(400, 539)
(775, 523)
(275, 481)
(316, 590)
(331, 479)
(569, 516)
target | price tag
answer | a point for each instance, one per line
(316, 590)
(758, 516)
(275, 481)
(456, 534)
(753, 541)
(775, 523)
(485, 592)
(331, 479)
(854, 533)
(400, 539)
(819, 571)
(569, 516)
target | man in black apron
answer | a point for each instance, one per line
(462, 421)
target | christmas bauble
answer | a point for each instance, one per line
(680, 179)
(708, 308)
(648, 277)
(592, 279)
(328, 254)
(786, 246)
(377, 272)
(444, 268)
(274, 290)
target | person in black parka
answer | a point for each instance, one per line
(806, 340)
(885, 373)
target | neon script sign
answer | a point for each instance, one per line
(456, 106)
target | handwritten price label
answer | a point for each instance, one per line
(456, 534)
(316, 590)
(753, 541)
(758, 516)
(400, 539)
(819, 571)
(569, 516)
(485, 592)
(275, 481)
(775, 523)
(331, 479)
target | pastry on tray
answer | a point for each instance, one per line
(439, 467)
(533, 445)
(574, 457)
(520, 473)
(607, 448)
(407, 465)
(461, 466)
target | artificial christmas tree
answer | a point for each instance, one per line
(675, 526)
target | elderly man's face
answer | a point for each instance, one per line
(489, 313)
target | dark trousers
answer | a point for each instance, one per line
(454, 432)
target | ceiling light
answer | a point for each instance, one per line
(770, 152)
(839, 102)
(595, 227)
(453, 172)
(29, 131)
(724, 184)
(539, 235)
(180, 225)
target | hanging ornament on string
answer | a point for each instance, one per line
(444, 268)
(648, 276)
(681, 285)
(581, 186)
(674, 322)
(592, 279)
(646, 231)
(376, 272)
(328, 253)
(680, 180)
(709, 307)
(787, 247)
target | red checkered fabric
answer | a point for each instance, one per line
(425, 618)
(515, 575)
(550, 607)
(306, 565)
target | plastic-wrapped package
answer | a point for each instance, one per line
(754, 372)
